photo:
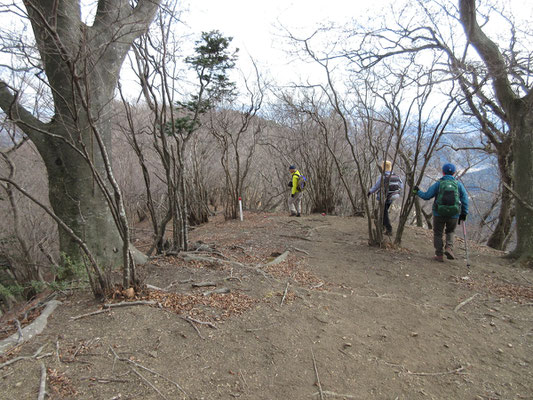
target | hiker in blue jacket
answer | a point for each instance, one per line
(450, 208)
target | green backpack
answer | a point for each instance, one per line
(448, 202)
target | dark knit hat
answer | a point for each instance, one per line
(448, 169)
(292, 167)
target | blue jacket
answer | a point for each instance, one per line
(433, 191)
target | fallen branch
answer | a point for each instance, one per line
(463, 303)
(108, 306)
(296, 237)
(146, 369)
(195, 328)
(317, 377)
(203, 284)
(35, 356)
(130, 303)
(284, 294)
(300, 250)
(42, 385)
(209, 324)
(148, 382)
(90, 314)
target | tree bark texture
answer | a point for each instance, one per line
(82, 65)
(519, 114)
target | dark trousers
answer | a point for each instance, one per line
(442, 225)
(386, 219)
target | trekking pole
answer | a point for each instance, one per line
(466, 244)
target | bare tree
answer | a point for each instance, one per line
(82, 65)
(514, 95)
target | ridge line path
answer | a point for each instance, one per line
(337, 319)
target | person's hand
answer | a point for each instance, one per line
(462, 217)
(290, 184)
(368, 194)
(292, 194)
(415, 190)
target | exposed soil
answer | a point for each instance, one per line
(336, 319)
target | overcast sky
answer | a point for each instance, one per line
(255, 25)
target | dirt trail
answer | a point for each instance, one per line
(366, 323)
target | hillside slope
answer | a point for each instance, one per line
(336, 319)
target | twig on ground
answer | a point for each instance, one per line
(284, 294)
(203, 284)
(36, 356)
(461, 304)
(296, 237)
(6, 375)
(455, 371)
(57, 351)
(209, 324)
(105, 380)
(144, 368)
(130, 303)
(108, 306)
(42, 385)
(333, 394)
(300, 250)
(90, 314)
(317, 377)
(19, 330)
(148, 382)
(195, 328)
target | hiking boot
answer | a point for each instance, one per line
(298, 215)
(449, 253)
(438, 258)
(292, 214)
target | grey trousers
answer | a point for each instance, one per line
(295, 203)
(442, 225)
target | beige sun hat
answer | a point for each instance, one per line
(385, 165)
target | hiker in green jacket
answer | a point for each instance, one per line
(450, 208)
(295, 199)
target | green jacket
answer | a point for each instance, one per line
(295, 177)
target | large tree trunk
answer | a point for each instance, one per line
(523, 178)
(82, 64)
(519, 114)
(77, 199)
(505, 217)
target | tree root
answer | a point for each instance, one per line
(33, 329)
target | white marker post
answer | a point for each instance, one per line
(240, 207)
